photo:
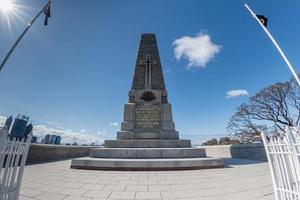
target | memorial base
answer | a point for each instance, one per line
(147, 135)
(146, 164)
(147, 143)
(155, 155)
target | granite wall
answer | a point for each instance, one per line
(45, 152)
(249, 151)
(218, 151)
(244, 151)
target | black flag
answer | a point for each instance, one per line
(263, 20)
(47, 14)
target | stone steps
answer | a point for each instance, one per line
(140, 153)
(146, 164)
(147, 143)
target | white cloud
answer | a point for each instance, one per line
(114, 124)
(236, 93)
(2, 120)
(198, 50)
(67, 135)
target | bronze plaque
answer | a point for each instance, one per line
(148, 116)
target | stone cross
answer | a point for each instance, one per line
(148, 62)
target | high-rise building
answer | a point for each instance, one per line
(28, 130)
(33, 139)
(8, 122)
(19, 126)
(57, 139)
(52, 139)
(47, 139)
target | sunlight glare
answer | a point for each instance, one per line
(6, 6)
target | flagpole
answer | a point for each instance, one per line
(276, 45)
(22, 35)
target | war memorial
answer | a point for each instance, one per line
(147, 139)
(148, 159)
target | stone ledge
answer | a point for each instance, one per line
(147, 143)
(146, 164)
(145, 135)
(147, 153)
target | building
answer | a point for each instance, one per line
(8, 122)
(19, 126)
(52, 139)
(47, 139)
(57, 139)
(34, 139)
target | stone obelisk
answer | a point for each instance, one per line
(148, 114)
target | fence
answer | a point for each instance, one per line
(13, 155)
(283, 152)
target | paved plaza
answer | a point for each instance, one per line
(239, 180)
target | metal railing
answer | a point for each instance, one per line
(283, 152)
(13, 154)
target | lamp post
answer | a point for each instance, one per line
(45, 9)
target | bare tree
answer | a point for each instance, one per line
(271, 109)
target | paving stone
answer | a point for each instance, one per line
(174, 195)
(50, 196)
(32, 185)
(74, 192)
(97, 194)
(147, 195)
(122, 195)
(30, 192)
(25, 198)
(115, 188)
(89, 186)
(240, 180)
(78, 198)
(52, 189)
(136, 188)
(159, 188)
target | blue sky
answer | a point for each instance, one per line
(76, 72)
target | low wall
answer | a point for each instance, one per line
(249, 151)
(46, 152)
(218, 151)
(244, 151)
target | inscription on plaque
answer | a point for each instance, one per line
(147, 116)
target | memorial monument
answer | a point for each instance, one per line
(148, 114)
(147, 139)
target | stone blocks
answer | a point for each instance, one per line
(147, 143)
(164, 135)
(146, 164)
(144, 153)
